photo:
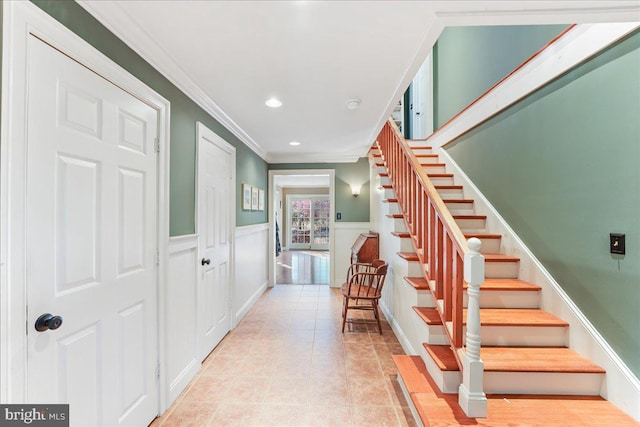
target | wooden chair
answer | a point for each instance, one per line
(363, 289)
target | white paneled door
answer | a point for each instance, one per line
(91, 244)
(216, 160)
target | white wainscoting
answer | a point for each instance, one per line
(181, 361)
(345, 233)
(251, 267)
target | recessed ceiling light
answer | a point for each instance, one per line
(353, 104)
(273, 103)
(294, 143)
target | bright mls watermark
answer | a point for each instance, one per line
(34, 415)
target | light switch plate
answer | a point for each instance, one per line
(616, 243)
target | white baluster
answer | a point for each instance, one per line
(471, 397)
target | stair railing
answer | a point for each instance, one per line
(445, 256)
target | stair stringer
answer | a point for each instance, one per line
(397, 295)
(620, 386)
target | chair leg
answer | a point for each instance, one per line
(377, 315)
(344, 312)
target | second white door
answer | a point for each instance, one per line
(216, 161)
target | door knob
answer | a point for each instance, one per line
(205, 261)
(48, 321)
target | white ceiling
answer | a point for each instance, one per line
(231, 56)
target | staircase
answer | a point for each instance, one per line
(524, 348)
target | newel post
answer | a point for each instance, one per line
(471, 397)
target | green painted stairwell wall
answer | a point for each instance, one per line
(470, 60)
(562, 166)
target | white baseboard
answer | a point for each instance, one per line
(395, 326)
(242, 311)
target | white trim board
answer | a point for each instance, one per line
(271, 261)
(22, 20)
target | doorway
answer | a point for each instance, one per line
(301, 223)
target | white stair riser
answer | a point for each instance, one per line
(424, 298)
(389, 194)
(467, 206)
(421, 150)
(462, 211)
(431, 334)
(448, 193)
(501, 270)
(384, 180)
(414, 269)
(507, 299)
(522, 336)
(447, 381)
(471, 224)
(406, 245)
(380, 169)
(542, 383)
(490, 246)
(442, 181)
(434, 169)
(393, 208)
(430, 159)
(399, 225)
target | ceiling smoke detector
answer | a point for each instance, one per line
(353, 104)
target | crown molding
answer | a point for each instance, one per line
(141, 43)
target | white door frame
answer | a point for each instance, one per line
(22, 20)
(205, 133)
(272, 224)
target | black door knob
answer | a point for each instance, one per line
(205, 261)
(48, 321)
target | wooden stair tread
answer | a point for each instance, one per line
(413, 373)
(380, 164)
(386, 186)
(430, 315)
(428, 155)
(383, 174)
(390, 201)
(419, 283)
(440, 175)
(506, 285)
(396, 216)
(433, 165)
(458, 200)
(408, 256)
(437, 409)
(469, 217)
(516, 317)
(448, 187)
(483, 236)
(418, 147)
(401, 234)
(536, 359)
(500, 258)
(443, 357)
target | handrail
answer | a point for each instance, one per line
(445, 256)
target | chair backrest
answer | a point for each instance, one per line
(368, 279)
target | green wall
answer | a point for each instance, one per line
(563, 168)
(353, 209)
(470, 60)
(250, 168)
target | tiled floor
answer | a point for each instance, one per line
(288, 364)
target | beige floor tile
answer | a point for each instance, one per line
(328, 416)
(287, 391)
(235, 415)
(364, 391)
(374, 416)
(191, 414)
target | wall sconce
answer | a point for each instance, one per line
(355, 190)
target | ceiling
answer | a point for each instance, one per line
(302, 181)
(231, 56)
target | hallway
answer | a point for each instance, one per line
(302, 267)
(288, 364)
